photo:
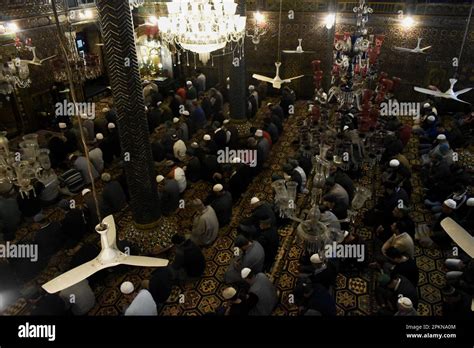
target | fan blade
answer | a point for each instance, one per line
(262, 78)
(462, 91)
(112, 231)
(45, 59)
(403, 49)
(459, 235)
(425, 48)
(292, 78)
(73, 276)
(286, 51)
(428, 91)
(459, 100)
(144, 261)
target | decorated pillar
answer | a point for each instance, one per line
(238, 79)
(119, 46)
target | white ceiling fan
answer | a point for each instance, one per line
(417, 49)
(299, 49)
(35, 60)
(449, 94)
(109, 256)
(276, 81)
(459, 235)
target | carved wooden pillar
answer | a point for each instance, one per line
(119, 46)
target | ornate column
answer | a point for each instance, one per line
(119, 46)
(238, 80)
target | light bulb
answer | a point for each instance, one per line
(12, 27)
(329, 20)
(259, 17)
(408, 22)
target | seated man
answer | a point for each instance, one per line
(252, 256)
(222, 204)
(315, 297)
(270, 241)
(320, 272)
(391, 288)
(79, 298)
(189, 262)
(168, 192)
(263, 288)
(205, 224)
(400, 240)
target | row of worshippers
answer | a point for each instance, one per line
(446, 185)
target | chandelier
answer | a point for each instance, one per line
(22, 167)
(202, 26)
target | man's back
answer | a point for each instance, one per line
(266, 293)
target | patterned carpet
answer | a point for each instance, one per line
(353, 292)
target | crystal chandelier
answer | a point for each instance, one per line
(14, 73)
(202, 26)
(22, 167)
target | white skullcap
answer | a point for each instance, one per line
(194, 145)
(62, 125)
(254, 200)
(450, 203)
(346, 233)
(394, 163)
(259, 133)
(470, 202)
(315, 259)
(441, 137)
(269, 104)
(189, 83)
(106, 177)
(245, 272)
(71, 156)
(99, 136)
(217, 130)
(206, 137)
(405, 303)
(84, 116)
(226, 121)
(431, 118)
(236, 160)
(426, 105)
(185, 113)
(105, 110)
(111, 125)
(434, 111)
(85, 192)
(217, 188)
(228, 293)
(159, 103)
(350, 114)
(251, 87)
(127, 288)
(345, 128)
(175, 120)
(159, 178)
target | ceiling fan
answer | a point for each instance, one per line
(277, 81)
(449, 94)
(35, 60)
(299, 49)
(417, 49)
(459, 235)
(109, 256)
